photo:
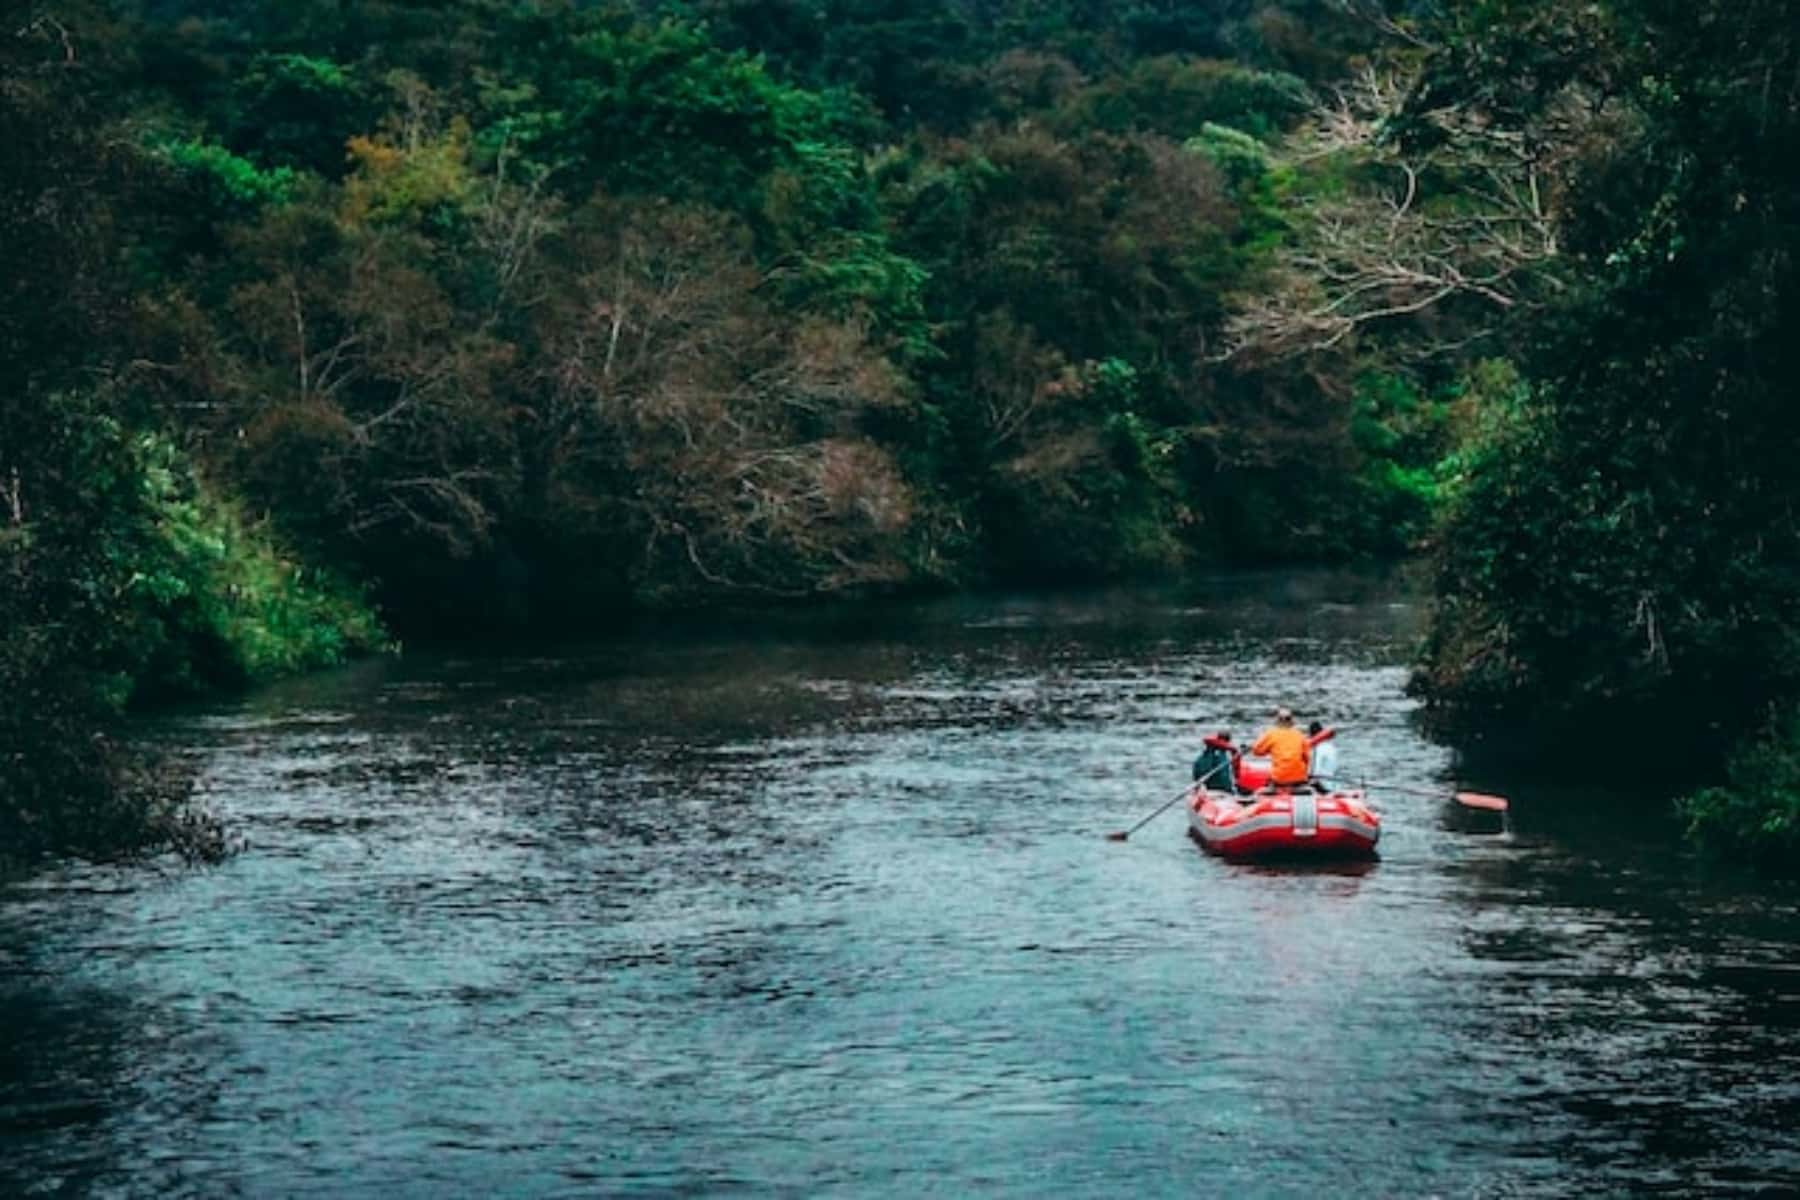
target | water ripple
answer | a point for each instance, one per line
(817, 911)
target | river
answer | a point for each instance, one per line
(825, 906)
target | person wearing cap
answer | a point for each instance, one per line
(1289, 751)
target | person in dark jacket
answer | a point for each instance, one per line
(1216, 767)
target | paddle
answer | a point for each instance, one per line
(1466, 799)
(1123, 834)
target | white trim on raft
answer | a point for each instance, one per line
(1345, 821)
(1305, 808)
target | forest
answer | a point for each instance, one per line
(329, 324)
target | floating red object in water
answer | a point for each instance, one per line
(1482, 800)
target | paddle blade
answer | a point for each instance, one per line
(1482, 800)
(1120, 836)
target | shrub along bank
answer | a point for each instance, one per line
(125, 580)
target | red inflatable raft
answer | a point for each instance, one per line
(1297, 823)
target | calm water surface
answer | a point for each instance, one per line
(827, 909)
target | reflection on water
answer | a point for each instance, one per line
(827, 908)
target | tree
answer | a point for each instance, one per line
(1627, 549)
(727, 439)
(72, 508)
(1435, 232)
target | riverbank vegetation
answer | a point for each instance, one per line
(1622, 563)
(331, 322)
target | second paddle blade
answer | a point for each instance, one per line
(1482, 800)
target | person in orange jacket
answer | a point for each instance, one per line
(1289, 751)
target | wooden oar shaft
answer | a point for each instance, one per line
(1185, 792)
(1467, 799)
(1123, 834)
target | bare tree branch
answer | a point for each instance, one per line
(1398, 246)
(47, 23)
(1374, 13)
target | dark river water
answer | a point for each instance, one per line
(826, 908)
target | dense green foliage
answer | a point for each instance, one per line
(212, 599)
(1624, 561)
(517, 308)
(508, 312)
(124, 578)
(121, 572)
(1756, 813)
